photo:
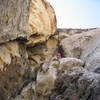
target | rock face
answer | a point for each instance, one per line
(42, 21)
(77, 84)
(42, 18)
(46, 81)
(13, 19)
(21, 21)
(68, 63)
(80, 83)
(36, 18)
(85, 46)
(36, 64)
(13, 67)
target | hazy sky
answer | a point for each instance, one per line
(77, 13)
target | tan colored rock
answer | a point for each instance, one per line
(13, 19)
(75, 45)
(46, 80)
(37, 53)
(42, 52)
(13, 67)
(51, 43)
(7, 51)
(61, 36)
(34, 20)
(68, 63)
(85, 46)
(37, 39)
(21, 20)
(42, 21)
(42, 18)
(28, 92)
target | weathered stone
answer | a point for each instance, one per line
(13, 68)
(34, 20)
(68, 63)
(13, 19)
(42, 21)
(42, 18)
(42, 52)
(61, 36)
(85, 46)
(46, 80)
(28, 92)
(77, 84)
(31, 70)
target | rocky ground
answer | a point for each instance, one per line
(40, 62)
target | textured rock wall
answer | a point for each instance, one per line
(36, 64)
(85, 46)
(42, 21)
(25, 18)
(23, 23)
(13, 67)
(13, 19)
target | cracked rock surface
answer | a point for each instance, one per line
(38, 62)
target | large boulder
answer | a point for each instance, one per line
(13, 67)
(77, 84)
(45, 81)
(85, 46)
(42, 21)
(68, 63)
(33, 20)
(21, 21)
(28, 93)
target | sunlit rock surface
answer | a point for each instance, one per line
(45, 82)
(85, 46)
(77, 84)
(42, 21)
(13, 67)
(68, 63)
(30, 67)
(32, 20)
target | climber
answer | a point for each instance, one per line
(58, 55)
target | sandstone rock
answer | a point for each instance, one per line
(43, 52)
(74, 45)
(68, 63)
(46, 80)
(60, 36)
(85, 46)
(42, 21)
(52, 45)
(55, 63)
(13, 68)
(28, 92)
(29, 69)
(20, 21)
(34, 20)
(77, 84)
(37, 53)
(42, 18)
(13, 19)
